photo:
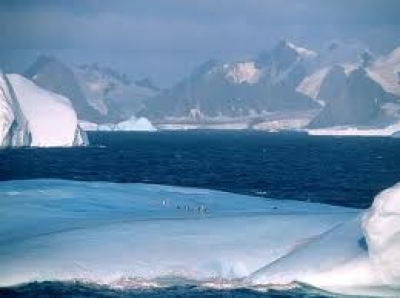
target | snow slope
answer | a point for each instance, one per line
(360, 256)
(386, 71)
(311, 84)
(32, 116)
(302, 52)
(132, 234)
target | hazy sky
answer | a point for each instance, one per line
(165, 39)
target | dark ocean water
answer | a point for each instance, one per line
(344, 171)
(75, 290)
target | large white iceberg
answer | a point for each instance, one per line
(32, 116)
(128, 234)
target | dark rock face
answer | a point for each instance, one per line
(148, 83)
(282, 57)
(98, 94)
(350, 100)
(53, 75)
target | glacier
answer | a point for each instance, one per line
(32, 116)
(128, 234)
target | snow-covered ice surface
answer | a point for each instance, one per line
(354, 131)
(28, 110)
(125, 234)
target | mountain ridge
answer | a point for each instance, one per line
(281, 82)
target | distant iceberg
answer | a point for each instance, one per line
(136, 124)
(133, 234)
(132, 124)
(32, 116)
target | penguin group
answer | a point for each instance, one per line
(198, 209)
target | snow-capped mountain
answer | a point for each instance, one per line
(51, 74)
(241, 89)
(338, 52)
(362, 93)
(111, 94)
(98, 94)
(352, 99)
(286, 87)
(32, 116)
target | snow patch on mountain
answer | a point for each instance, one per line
(311, 84)
(349, 67)
(386, 71)
(243, 72)
(302, 52)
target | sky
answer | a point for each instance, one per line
(166, 39)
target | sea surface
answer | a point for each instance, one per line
(346, 171)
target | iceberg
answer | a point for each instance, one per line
(125, 234)
(32, 116)
(131, 124)
(135, 124)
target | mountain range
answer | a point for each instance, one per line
(286, 87)
(98, 94)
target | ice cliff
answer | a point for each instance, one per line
(32, 116)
